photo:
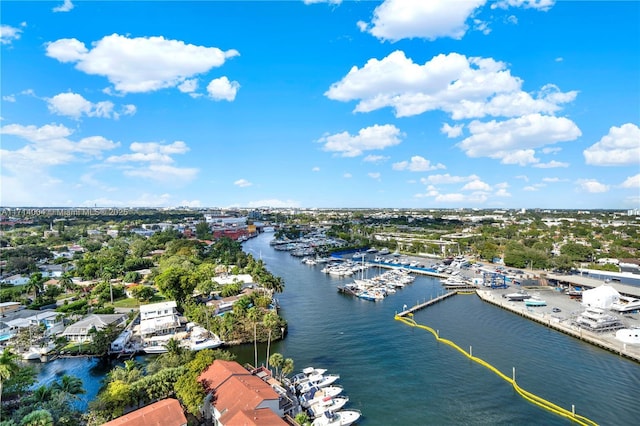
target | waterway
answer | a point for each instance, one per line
(399, 375)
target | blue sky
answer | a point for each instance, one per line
(401, 103)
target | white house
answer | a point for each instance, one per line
(82, 331)
(159, 318)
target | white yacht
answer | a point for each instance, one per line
(338, 418)
(327, 404)
(596, 319)
(626, 304)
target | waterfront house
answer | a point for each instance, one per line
(166, 412)
(235, 396)
(158, 319)
(82, 331)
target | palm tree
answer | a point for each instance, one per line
(276, 360)
(70, 385)
(66, 281)
(8, 368)
(287, 367)
(270, 320)
(106, 278)
(253, 314)
(173, 347)
(42, 394)
(34, 284)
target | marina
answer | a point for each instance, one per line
(375, 354)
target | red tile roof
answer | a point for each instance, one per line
(167, 412)
(261, 417)
(242, 398)
(218, 372)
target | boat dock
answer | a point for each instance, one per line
(429, 302)
(602, 340)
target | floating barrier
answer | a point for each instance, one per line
(534, 399)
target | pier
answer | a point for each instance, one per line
(601, 340)
(425, 304)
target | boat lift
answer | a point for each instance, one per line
(494, 280)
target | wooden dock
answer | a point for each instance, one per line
(425, 304)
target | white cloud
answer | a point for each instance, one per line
(242, 183)
(375, 158)
(542, 5)
(523, 177)
(502, 192)
(476, 185)
(64, 7)
(9, 98)
(452, 131)
(620, 147)
(447, 179)
(551, 150)
(49, 145)
(394, 20)
(25, 171)
(368, 138)
(222, 89)
(315, 169)
(464, 87)
(74, 105)
(513, 140)
(417, 164)
(551, 165)
(632, 182)
(8, 34)
(188, 86)
(347, 175)
(374, 175)
(592, 186)
(142, 64)
(158, 159)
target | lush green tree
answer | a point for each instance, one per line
(132, 277)
(101, 340)
(143, 293)
(175, 283)
(38, 418)
(563, 263)
(203, 231)
(577, 252)
(8, 368)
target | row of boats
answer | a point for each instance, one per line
(322, 399)
(380, 286)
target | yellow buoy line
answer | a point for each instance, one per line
(539, 401)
